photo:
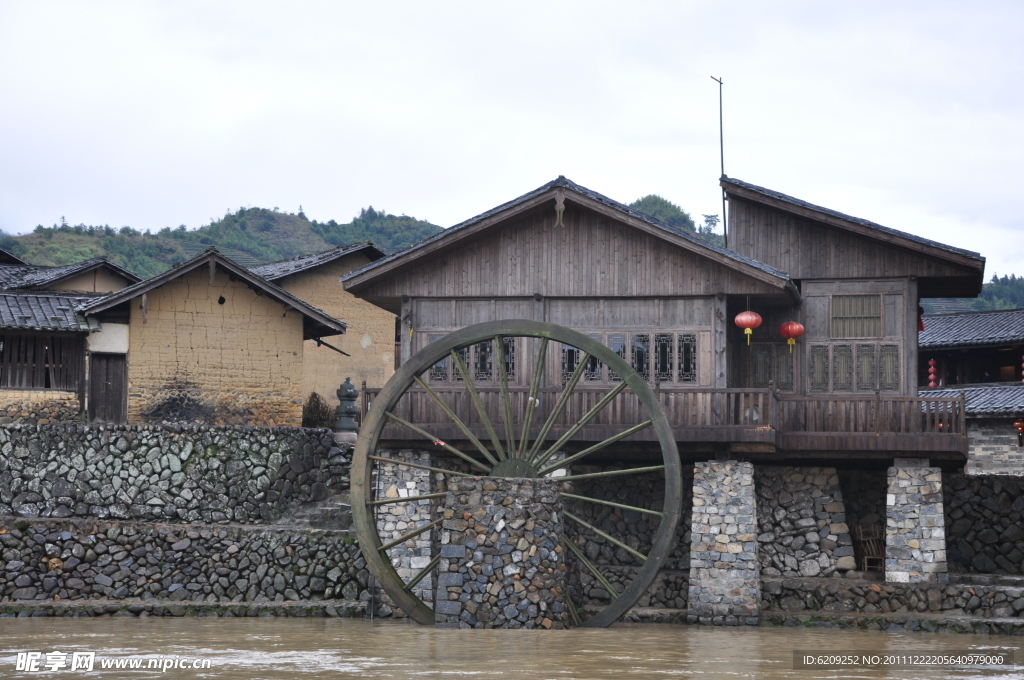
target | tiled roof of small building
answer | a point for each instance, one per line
(27, 276)
(272, 271)
(972, 329)
(1004, 399)
(44, 312)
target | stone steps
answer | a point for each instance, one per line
(927, 622)
(334, 512)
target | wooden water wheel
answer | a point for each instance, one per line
(517, 439)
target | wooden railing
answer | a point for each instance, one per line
(720, 415)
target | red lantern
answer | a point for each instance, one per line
(1019, 425)
(748, 321)
(920, 319)
(791, 330)
(932, 377)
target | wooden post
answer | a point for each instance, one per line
(878, 407)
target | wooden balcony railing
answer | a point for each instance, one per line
(826, 422)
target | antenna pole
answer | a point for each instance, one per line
(721, 150)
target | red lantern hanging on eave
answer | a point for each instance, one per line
(791, 330)
(748, 321)
(920, 319)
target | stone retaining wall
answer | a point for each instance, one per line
(915, 538)
(828, 595)
(984, 523)
(501, 556)
(38, 407)
(992, 447)
(165, 473)
(802, 522)
(75, 559)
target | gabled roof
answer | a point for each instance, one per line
(1005, 399)
(586, 198)
(7, 257)
(857, 225)
(972, 329)
(272, 271)
(29, 276)
(317, 322)
(44, 312)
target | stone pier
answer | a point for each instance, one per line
(725, 583)
(501, 560)
(915, 536)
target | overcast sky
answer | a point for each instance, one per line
(154, 114)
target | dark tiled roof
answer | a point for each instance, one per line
(849, 218)
(41, 312)
(972, 329)
(320, 319)
(28, 276)
(600, 198)
(986, 400)
(272, 271)
(7, 257)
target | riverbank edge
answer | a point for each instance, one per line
(93, 608)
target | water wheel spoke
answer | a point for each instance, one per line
(571, 432)
(572, 611)
(478, 404)
(421, 574)
(458, 421)
(612, 473)
(556, 412)
(531, 399)
(596, 447)
(621, 506)
(407, 499)
(448, 447)
(506, 398)
(411, 534)
(590, 567)
(421, 467)
(606, 536)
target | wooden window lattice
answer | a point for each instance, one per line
(640, 347)
(594, 372)
(663, 357)
(687, 357)
(819, 368)
(866, 367)
(617, 344)
(842, 367)
(761, 355)
(783, 367)
(856, 316)
(889, 368)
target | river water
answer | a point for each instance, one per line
(297, 649)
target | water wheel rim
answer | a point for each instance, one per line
(376, 419)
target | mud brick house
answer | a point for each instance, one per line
(979, 355)
(44, 339)
(369, 347)
(831, 425)
(208, 341)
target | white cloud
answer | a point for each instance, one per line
(157, 114)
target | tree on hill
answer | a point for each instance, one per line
(664, 210)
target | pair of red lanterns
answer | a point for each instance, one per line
(748, 321)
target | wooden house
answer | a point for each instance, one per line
(367, 352)
(665, 300)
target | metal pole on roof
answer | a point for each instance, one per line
(721, 150)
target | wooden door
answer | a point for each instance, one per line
(108, 388)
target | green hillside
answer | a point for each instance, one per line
(251, 235)
(1002, 292)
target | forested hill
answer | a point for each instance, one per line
(1002, 292)
(250, 236)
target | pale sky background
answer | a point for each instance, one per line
(155, 114)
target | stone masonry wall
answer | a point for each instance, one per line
(395, 520)
(670, 589)
(984, 523)
(883, 598)
(915, 541)
(214, 352)
(173, 473)
(802, 522)
(863, 496)
(992, 448)
(724, 570)
(501, 555)
(72, 559)
(38, 407)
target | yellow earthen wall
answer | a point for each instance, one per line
(97, 281)
(370, 338)
(234, 363)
